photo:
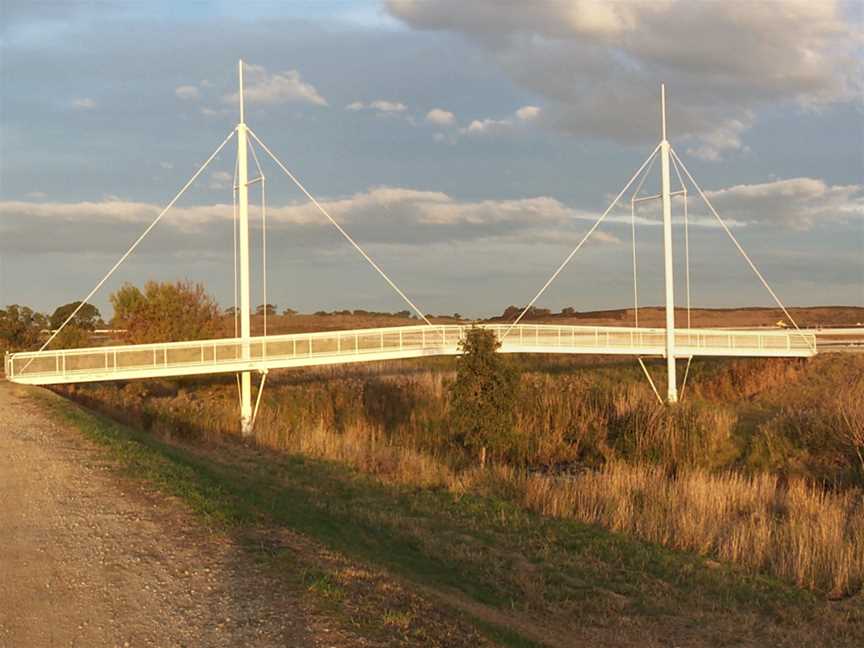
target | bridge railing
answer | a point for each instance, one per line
(228, 351)
(144, 360)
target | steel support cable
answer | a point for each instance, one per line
(633, 237)
(258, 398)
(340, 228)
(650, 381)
(741, 249)
(263, 235)
(684, 382)
(134, 245)
(581, 243)
(635, 279)
(686, 244)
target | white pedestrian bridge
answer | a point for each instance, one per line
(162, 360)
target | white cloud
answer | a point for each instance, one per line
(387, 106)
(487, 126)
(187, 92)
(799, 203)
(403, 216)
(722, 140)
(380, 106)
(527, 113)
(598, 64)
(264, 87)
(83, 103)
(391, 215)
(440, 117)
(490, 126)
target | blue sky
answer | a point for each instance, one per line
(468, 147)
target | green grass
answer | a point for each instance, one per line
(487, 549)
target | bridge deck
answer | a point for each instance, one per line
(364, 345)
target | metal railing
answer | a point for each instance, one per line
(332, 347)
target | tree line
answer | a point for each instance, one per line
(160, 312)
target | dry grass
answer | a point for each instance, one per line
(592, 445)
(796, 531)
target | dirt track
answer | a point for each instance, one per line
(89, 559)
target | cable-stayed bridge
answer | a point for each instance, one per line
(245, 354)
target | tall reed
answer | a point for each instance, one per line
(799, 532)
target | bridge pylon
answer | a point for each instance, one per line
(666, 202)
(243, 240)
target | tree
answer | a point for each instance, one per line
(20, 327)
(270, 309)
(75, 333)
(85, 319)
(289, 311)
(127, 301)
(483, 396)
(568, 311)
(511, 312)
(166, 312)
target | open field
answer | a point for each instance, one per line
(806, 317)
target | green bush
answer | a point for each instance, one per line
(483, 397)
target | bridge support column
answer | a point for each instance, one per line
(245, 305)
(666, 199)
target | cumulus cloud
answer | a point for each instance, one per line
(527, 113)
(724, 139)
(401, 216)
(389, 215)
(491, 126)
(599, 64)
(265, 87)
(800, 203)
(487, 126)
(187, 92)
(381, 106)
(83, 103)
(440, 117)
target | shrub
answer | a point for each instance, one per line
(165, 312)
(483, 397)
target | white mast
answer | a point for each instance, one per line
(245, 306)
(671, 382)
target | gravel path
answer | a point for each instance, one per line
(89, 559)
